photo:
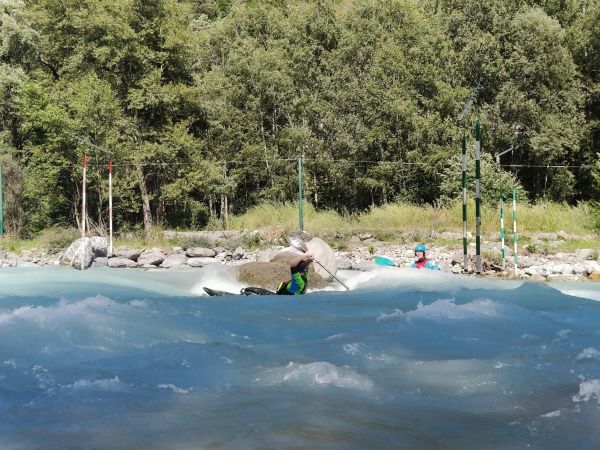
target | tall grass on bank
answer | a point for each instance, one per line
(384, 222)
(544, 217)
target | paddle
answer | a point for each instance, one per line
(299, 245)
(385, 261)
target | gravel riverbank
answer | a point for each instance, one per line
(358, 253)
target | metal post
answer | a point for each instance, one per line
(502, 230)
(1, 205)
(301, 218)
(110, 210)
(464, 202)
(477, 195)
(515, 226)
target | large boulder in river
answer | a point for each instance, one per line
(269, 274)
(80, 254)
(99, 246)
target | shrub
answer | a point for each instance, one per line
(57, 239)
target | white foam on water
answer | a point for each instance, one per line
(99, 323)
(63, 311)
(447, 309)
(589, 353)
(551, 414)
(424, 280)
(176, 389)
(102, 384)
(588, 390)
(589, 294)
(316, 374)
(219, 277)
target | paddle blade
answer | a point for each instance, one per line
(384, 261)
(297, 243)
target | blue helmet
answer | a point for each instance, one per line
(420, 248)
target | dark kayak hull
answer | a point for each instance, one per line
(245, 291)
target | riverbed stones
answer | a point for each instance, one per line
(121, 263)
(200, 252)
(101, 261)
(238, 254)
(152, 257)
(343, 263)
(200, 262)
(174, 260)
(594, 275)
(129, 253)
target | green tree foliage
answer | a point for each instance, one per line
(494, 181)
(205, 106)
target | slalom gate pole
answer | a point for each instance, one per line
(464, 202)
(300, 212)
(477, 195)
(502, 230)
(110, 210)
(1, 205)
(515, 226)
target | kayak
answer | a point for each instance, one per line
(244, 291)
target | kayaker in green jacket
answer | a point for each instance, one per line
(298, 282)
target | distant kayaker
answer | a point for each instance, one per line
(422, 262)
(298, 283)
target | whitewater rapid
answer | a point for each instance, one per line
(407, 359)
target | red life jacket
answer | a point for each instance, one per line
(421, 263)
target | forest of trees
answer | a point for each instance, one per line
(207, 104)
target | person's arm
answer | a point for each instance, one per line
(303, 257)
(432, 266)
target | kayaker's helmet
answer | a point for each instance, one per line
(303, 266)
(420, 248)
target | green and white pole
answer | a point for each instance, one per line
(515, 227)
(300, 218)
(464, 202)
(477, 196)
(1, 205)
(502, 230)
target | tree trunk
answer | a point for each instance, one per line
(316, 194)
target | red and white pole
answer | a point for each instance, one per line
(83, 197)
(110, 211)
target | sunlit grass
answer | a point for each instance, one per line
(385, 223)
(402, 217)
